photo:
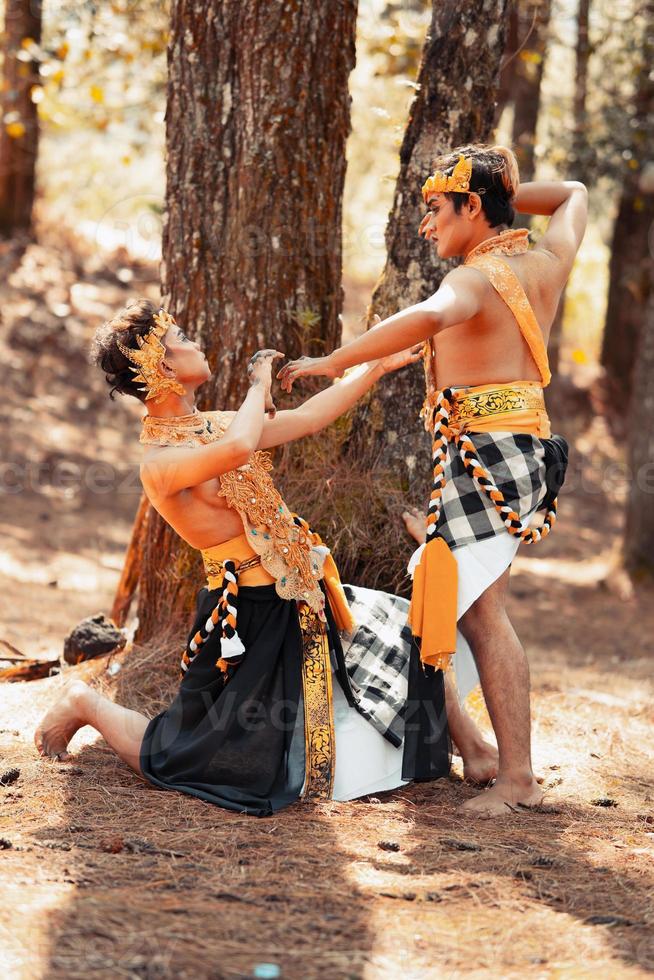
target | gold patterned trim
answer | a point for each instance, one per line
(319, 741)
(496, 401)
(484, 404)
(215, 569)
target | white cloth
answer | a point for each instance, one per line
(366, 762)
(480, 563)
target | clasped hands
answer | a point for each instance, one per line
(260, 368)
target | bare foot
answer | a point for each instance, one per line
(58, 726)
(480, 765)
(415, 524)
(504, 797)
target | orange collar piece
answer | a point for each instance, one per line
(512, 241)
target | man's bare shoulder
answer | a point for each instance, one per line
(464, 275)
(466, 278)
(471, 281)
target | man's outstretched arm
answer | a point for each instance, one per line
(458, 298)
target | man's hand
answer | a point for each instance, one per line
(260, 372)
(304, 367)
(396, 361)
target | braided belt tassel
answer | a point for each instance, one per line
(223, 616)
(439, 454)
(511, 519)
(231, 645)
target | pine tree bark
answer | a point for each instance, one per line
(579, 155)
(257, 118)
(455, 104)
(534, 22)
(19, 132)
(639, 535)
(509, 63)
(631, 248)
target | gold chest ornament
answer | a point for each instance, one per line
(284, 547)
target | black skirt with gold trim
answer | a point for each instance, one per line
(261, 736)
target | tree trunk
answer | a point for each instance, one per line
(582, 55)
(509, 62)
(19, 131)
(628, 276)
(579, 157)
(631, 255)
(534, 21)
(132, 565)
(639, 536)
(455, 104)
(256, 125)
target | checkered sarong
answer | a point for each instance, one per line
(516, 464)
(377, 658)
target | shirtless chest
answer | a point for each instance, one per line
(198, 514)
(489, 347)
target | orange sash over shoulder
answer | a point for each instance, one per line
(503, 278)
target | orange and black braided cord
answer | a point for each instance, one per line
(224, 615)
(477, 472)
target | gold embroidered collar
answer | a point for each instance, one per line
(195, 429)
(512, 241)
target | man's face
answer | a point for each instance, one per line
(185, 356)
(437, 224)
(449, 231)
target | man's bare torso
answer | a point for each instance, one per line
(198, 514)
(489, 347)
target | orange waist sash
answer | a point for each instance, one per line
(239, 550)
(515, 406)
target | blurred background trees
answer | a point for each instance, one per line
(19, 134)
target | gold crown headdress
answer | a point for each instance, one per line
(147, 358)
(458, 180)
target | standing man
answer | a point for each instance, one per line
(485, 332)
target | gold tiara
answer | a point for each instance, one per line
(458, 180)
(148, 357)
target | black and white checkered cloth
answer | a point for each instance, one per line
(516, 463)
(377, 658)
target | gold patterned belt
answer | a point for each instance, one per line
(471, 403)
(215, 572)
(484, 401)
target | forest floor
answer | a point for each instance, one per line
(104, 875)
